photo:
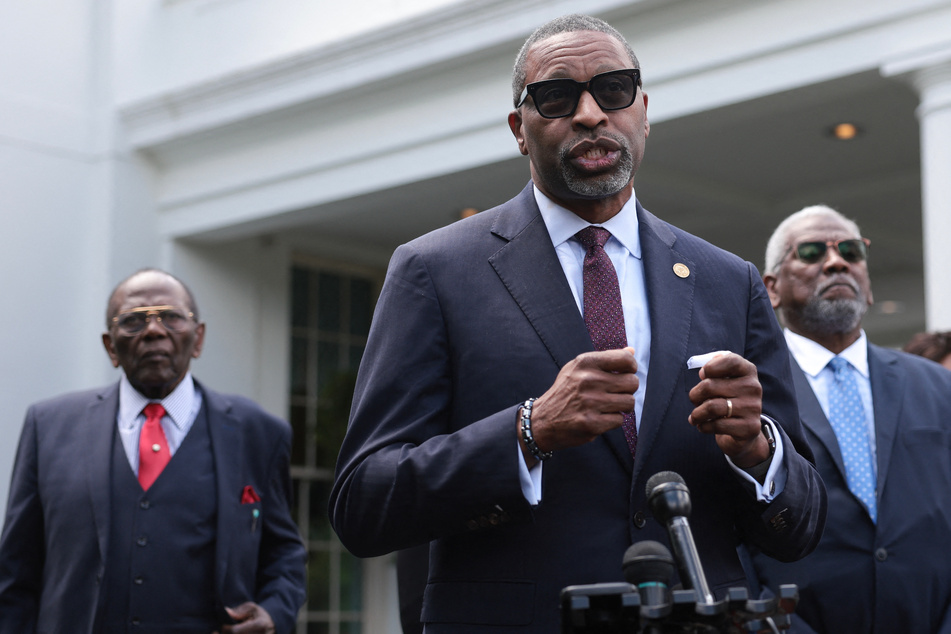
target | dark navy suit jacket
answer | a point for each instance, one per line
(894, 576)
(56, 532)
(475, 318)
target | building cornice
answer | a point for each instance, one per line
(443, 36)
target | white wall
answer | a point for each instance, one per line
(53, 179)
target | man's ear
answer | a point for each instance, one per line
(110, 349)
(647, 123)
(199, 340)
(515, 125)
(770, 281)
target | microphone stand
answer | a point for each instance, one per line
(644, 605)
(617, 608)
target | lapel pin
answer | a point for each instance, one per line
(681, 270)
(254, 519)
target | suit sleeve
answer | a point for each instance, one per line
(790, 526)
(22, 550)
(410, 471)
(281, 576)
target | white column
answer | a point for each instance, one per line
(934, 114)
(930, 75)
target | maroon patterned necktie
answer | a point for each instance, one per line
(603, 314)
(153, 446)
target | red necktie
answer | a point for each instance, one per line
(603, 314)
(153, 448)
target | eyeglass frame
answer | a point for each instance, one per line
(151, 311)
(828, 243)
(532, 88)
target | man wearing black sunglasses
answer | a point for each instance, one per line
(881, 565)
(527, 373)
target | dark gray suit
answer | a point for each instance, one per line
(478, 316)
(56, 533)
(894, 576)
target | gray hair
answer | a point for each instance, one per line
(565, 24)
(111, 304)
(779, 242)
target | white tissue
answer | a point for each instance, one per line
(699, 360)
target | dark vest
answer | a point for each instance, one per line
(160, 568)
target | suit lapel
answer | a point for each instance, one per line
(529, 268)
(813, 418)
(228, 452)
(886, 380)
(97, 445)
(670, 304)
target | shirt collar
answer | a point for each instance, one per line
(563, 224)
(177, 404)
(813, 357)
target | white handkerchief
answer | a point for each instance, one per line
(699, 360)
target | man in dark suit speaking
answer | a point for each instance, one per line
(154, 504)
(878, 422)
(528, 370)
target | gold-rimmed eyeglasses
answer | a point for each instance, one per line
(172, 318)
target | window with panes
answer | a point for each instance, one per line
(330, 320)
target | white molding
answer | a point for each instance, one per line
(932, 56)
(381, 55)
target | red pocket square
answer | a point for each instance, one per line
(249, 496)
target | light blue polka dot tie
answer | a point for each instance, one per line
(847, 416)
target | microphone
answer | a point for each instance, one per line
(649, 566)
(669, 499)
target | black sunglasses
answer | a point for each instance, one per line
(556, 98)
(852, 250)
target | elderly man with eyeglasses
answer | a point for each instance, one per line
(154, 504)
(531, 367)
(878, 422)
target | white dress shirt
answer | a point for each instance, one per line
(181, 410)
(624, 249)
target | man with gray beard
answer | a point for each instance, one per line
(878, 422)
(530, 368)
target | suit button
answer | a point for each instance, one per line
(135, 620)
(142, 541)
(472, 525)
(144, 504)
(881, 554)
(138, 581)
(483, 521)
(494, 519)
(639, 520)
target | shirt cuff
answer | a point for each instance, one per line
(777, 473)
(530, 479)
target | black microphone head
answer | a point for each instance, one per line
(661, 477)
(668, 495)
(646, 562)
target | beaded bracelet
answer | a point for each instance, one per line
(525, 418)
